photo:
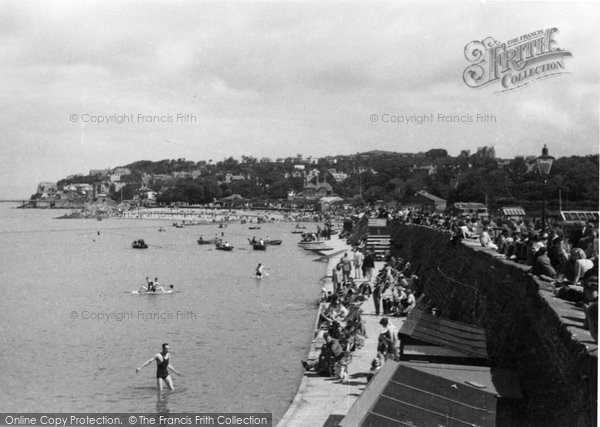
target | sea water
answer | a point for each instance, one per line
(71, 335)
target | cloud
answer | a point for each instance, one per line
(277, 78)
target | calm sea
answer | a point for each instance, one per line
(71, 336)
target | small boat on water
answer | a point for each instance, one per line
(255, 227)
(223, 247)
(259, 247)
(265, 242)
(176, 225)
(317, 249)
(311, 243)
(222, 225)
(202, 241)
(162, 229)
(158, 292)
(297, 232)
(139, 244)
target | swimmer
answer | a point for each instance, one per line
(161, 290)
(259, 271)
(162, 368)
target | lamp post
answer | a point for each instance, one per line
(544, 164)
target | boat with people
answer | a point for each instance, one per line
(176, 225)
(162, 229)
(265, 242)
(259, 247)
(166, 292)
(223, 246)
(213, 241)
(139, 244)
(154, 290)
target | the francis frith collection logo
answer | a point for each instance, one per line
(516, 62)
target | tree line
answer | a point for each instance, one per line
(375, 176)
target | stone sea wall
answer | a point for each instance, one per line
(557, 363)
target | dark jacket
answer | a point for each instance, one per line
(542, 266)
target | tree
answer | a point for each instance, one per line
(517, 169)
(374, 193)
(434, 153)
(484, 157)
(211, 190)
(125, 193)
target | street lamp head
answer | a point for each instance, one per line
(544, 162)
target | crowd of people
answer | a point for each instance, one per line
(568, 259)
(354, 281)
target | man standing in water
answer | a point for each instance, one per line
(259, 272)
(162, 367)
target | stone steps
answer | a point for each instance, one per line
(379, 244)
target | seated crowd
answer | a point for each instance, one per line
(340, 320)
(571, 262)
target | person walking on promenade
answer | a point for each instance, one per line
(346, 267)
(163, 366)
(358, 261)
(369, 265)
(377, 290)
(334, 279)
(390, 338)
(337, 277)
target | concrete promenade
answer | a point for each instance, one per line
(319, 397)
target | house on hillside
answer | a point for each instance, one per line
(469, 209)
(320, 189)
(229, 178)
(514, 213)
(426, 169)
(99, 172)
(46, 189)
(424, 201)
(146, 195)
(327, 203)
(122, 171)
(182, 175)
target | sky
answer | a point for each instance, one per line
(96, 84)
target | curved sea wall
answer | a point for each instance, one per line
(527, 328)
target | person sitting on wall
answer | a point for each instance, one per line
(409, 303)
(590, 300)
(486, 240)
(542, 266)
(331, 353)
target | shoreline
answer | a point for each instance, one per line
(204, 215)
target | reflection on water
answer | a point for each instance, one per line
(76, 334)
(162, 401)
